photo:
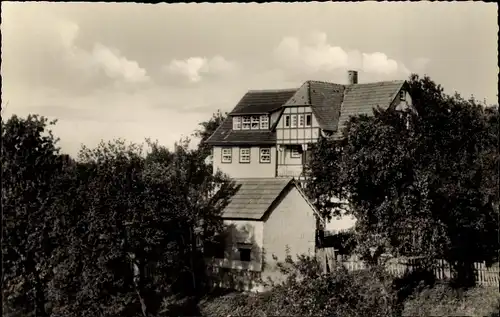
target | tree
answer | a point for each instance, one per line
(135, 240)
(109, 234)
(207, 128)
(31, 169)
(425, 189)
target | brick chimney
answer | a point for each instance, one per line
(352, 76)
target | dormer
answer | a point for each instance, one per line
(250, 122)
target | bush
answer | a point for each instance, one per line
(308, 292)
(443, 300)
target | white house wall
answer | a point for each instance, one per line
(399, 104)
(254, 169)
(242, 231)
(292, 223)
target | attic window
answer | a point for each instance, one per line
(264, 122)
(294, 121)
(236, 123)
(287, 121)
(402, 95)
(301, 120)
(246, 123)
(255, 122)
(308, 120)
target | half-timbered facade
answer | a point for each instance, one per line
(270, 133)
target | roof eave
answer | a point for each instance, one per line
(249, 113)
(215, 143)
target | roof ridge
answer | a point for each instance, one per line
(322, 82)
(379, 82)
(273, 90)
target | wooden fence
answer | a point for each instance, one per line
(485, 276)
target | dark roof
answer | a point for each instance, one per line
(326, 99)
(332, 104)
(360, 99)
(226, 135)
(262, 101)
(254, 197)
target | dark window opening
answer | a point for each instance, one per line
(308, 120)
(287, 121)
(402, 95)
(244, 254)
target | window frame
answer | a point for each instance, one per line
(301, 117)
(247, 248)
(243, 123)
(255, 120)
(264, 122)
(293, 119)
(295, 152)
(308, 116)
(249, 155)
(237, 123)
(261, 155)
(230, 155)
(287, 121)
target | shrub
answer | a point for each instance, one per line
(443, 300)
(308, 292)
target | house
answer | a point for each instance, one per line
(270, 133)
(266, 217)
(267, 139)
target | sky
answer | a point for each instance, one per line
(136, 71)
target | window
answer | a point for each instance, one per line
(227, 155)
(246, 123)
(264, 122)
(236, 123)
(287, 121)
(294, 121)
(308, 120)
(244, 155)
(245, 250)
(295, 152)
(255, 122)
(265, 155)
(301, 120)
(402, 95)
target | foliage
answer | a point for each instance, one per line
(418, 183)
(308, 292)
(109, 234)
(31, 167)
(443, 300)
(207, 128)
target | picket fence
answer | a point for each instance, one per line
(485, 275)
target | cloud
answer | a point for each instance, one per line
(48, 52)
(117, 66)
(316, 54)
(101, 59)
(195, 68)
